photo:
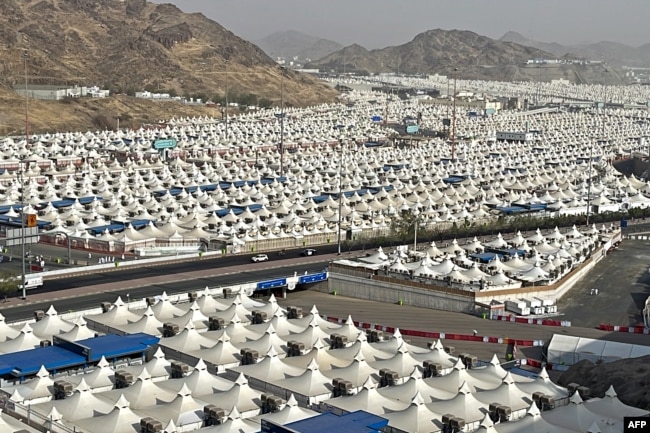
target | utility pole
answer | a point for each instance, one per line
(226, 107)
(453, 123)
(22, 183)
(282, 121)
(338, 238)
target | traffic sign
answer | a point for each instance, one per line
(168, 143)
(15, 236)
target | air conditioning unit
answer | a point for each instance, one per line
(468, 360)
(537, 396)
(333, 341)
(106, 306)
(45, 343)
(431, 369)
(390, 378)
(270, 403)
(179, 369)
(345, 387)
(213, 415)
(296, 348)
(335, 386)
(446, 422)
(572, 387)
(39, 315)
(450, 349)
(504, 413)
(227, 293)
(259, 317)
(215, 323)
(457, 424)
(547, 402)
(143, 424)
(154, 426)
(341, 341)
(123, 379)
(192, 296)
(251, 356)
(170, 329)
(62, 389)
(294, 313)
(493, 411)
(150, 301)
(376, 336)
(584, 392)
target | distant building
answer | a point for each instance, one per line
(514, 136)
(51, 92)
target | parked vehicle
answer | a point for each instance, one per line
(260, 258)
(308, 252)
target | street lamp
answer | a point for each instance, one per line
(338, 238)
(453, 123)
(22, 183)
(226, 107)
(282, 121)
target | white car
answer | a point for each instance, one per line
(260, 258)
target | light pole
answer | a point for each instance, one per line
(22, 184)
(226, 107)
(453, 123)
(282, 121)
(338, 238)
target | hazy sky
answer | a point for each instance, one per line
(380, 23)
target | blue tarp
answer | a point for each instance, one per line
(485, 257)
(117, 346)
(353, 422)
(28, 362)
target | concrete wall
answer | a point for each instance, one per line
(392, 291)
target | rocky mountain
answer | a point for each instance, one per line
(613, 53)
(630, 378)
(129, 45)
(292, 43)
(442, 51)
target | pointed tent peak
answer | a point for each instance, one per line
(159, 354)
(271, 353)
(417, 399)
(16, 397)
(459, 365)
(164, 296)
(507, 379)
(495, 360)
(82, 386)
(170, 427)
(397, 333)
(42, 372)
(237, 299)
(103, 363)
(234, 414)
(359, 356)
(119, 302)
(369, 383)
(200, 365)
(464, 389)
(121, 403)
(189, 326)
(185, 391)
(533, 410)
(319, 344)
(611, 392)
(291, 401)
(576, 399)
(486, 422)
(594, 428)
(272, 299)
(81, 322)
(54, 415)
(26, 329)
(51, 311)
(403, 348)
(235, 319)
(148, 312)
(313, 365)
(241, 379)
(437, 345)
(314, 310)
(2, 318)
(205, 292)
(144, 375)
(195, 307)
(543, 374)
(313, 322)
(349, 320)
(270, 330)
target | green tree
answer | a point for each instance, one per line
(403, 227)
(8, 284)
